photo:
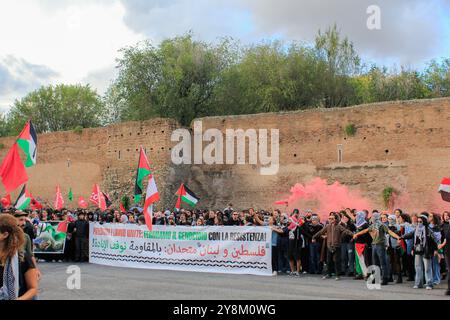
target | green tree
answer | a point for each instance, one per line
(177, 79)
(437, 78)
(59, 108)
(342, 62)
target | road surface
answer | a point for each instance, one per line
(108, 283)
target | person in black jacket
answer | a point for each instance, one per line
(314, 248)
(81, 232)
(297, 234)
(362, 254)
(347, 247)
(424, 247)
(446, 246)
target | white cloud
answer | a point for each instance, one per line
(73, 38)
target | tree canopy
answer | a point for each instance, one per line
(183, 78)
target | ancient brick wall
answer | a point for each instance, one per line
(405, 145)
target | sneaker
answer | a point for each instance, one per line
(326, 277)
(337, 279)
(275, 273)
(291, 274)
(304, 272)
(296, 274)
(429, 288)
(416, 287)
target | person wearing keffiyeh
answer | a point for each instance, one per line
(18, 277)
(425, 245)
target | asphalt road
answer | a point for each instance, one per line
(108, 283)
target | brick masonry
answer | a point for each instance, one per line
(404, 144)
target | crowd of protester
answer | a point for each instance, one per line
(405, 247)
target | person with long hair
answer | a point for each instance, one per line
(18, 274)
(425, 245)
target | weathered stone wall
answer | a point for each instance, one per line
(405, 145)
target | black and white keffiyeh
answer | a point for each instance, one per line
(10, 286)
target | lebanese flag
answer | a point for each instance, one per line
(444, 189)
(143, 171)
(27, 141)
(152, 196)
(6, 201)
(12, 170)
(82, 203)
(98, 198)
(59, 201)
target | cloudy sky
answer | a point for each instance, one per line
(77, 41)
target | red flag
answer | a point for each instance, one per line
(122, 209)
(63, 226)
(59, 201)
(6, 201)
(82, 203)
(98, 198)
(12, 170)
(94, 195)
(36, 205)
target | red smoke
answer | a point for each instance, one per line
(326, 198)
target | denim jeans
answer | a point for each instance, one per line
(314, 257)
(420, 263)
(348, 257)
(436, 266)
(379, 258)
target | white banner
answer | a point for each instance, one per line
(236, 250)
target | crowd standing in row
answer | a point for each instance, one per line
(405, 247)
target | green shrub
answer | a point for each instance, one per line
(78, 130)
(350, 130)
(388, 196)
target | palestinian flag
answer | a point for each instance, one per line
(187, 196)
(152, 196)
(12, 170)
(27, 141)
(444, 189)
(59, 200)
(24, 199)
(143, 171)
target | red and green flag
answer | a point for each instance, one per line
(27, 141)
(24, 199)
(143, 172)
(187, 196)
